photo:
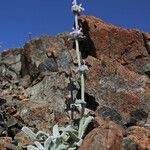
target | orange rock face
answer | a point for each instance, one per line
(116, 77)
(107, 136)
(122, 45)
(140, 136)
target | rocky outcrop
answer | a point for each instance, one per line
(107, 136)
(39, 81)
(128, 47)
(10, 64)
(116, 76)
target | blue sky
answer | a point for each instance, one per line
(19, 17)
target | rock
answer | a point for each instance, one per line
(147, 41)
(11, 121)
(138, 115)
(25, 81)
(140, 136)
(147, 69)
(10, 64)
(110, 114)
(45, 54)
(107, 136)
(48, 65)
(41, 115)
(124, 46)
(22, 138)
(5, 144)
(5, 71)
(116, 87)
(33, 54)
(2, 101)
(129, 144)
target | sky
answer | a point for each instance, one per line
(19, 17)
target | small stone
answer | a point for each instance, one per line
(6, 143)
(137, 116)
(147, 69)
(11, 110)
(2, 101)
(21, 137)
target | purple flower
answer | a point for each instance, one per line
(76, 33)
(83, 68)
(77, 8)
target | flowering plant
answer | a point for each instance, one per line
(66, 138)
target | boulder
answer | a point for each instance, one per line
(10, 63)
(140, 136)
(128, 47)
(107, 136)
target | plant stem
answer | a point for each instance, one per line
(82, 80)
(79, 65)
(78, 53)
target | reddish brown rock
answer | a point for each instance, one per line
(147, 41)
(6, 143)
(108, 136)
(125, 46)
(140, 136)
(116, 78)
(22, 138)
(118, 90)
(44, 54)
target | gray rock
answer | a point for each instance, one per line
(110, 114)
(49, 64)
(147, 69)
(138, 116)
(129, 144)
(12, 59)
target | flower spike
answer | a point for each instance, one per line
(76, 34)
(76, 9)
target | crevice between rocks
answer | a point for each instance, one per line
(87, 46)
(90, 101)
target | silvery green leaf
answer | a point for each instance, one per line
(74, 136)
(30, 147)
(40, 134)
(83, 125)
(79, 101)
(21, 145)
(62, 147)
(87, 121)
(55, 142)
(29, 132)
(39, 145)
(79, 142)
(72, 148)
(81, 129)
(68, 128)
(53, 146)
(56, 133)
(65, 136)
(48, 141)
